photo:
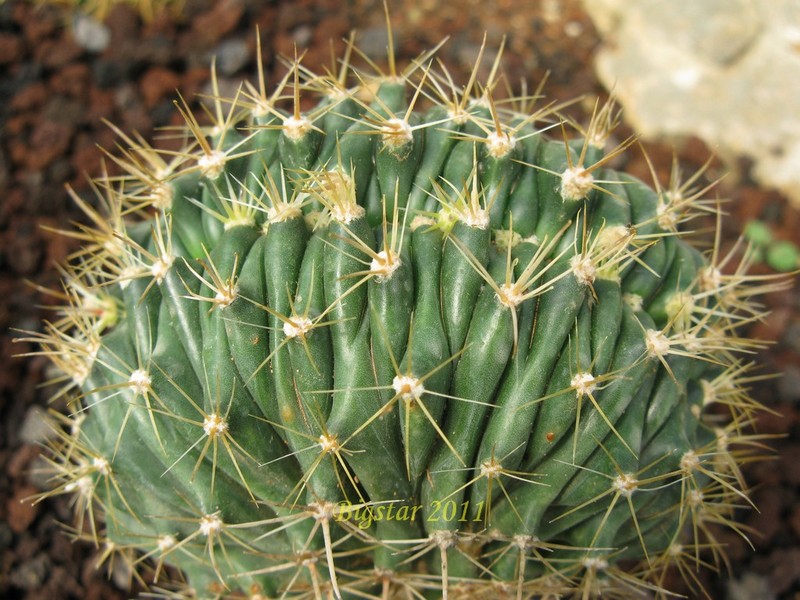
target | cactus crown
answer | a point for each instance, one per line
(374, 349)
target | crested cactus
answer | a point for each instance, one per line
(402, 344)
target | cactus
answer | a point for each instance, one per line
(379, 349)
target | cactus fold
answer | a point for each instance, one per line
(370, 350)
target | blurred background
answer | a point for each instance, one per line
(699, 80)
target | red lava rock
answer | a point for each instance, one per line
(779, 422)
(158, 83)
(21, 459)
(772, 326)
(48, 141)
(57, 53)
(39, 26)
(767, 521)
(789, 463)
(193, 81)
(11, 48)
(784, 569)
(101, 105)
(16, 125)
(221, 19)
(794, 521)
(86, 160)
(72, 80)
(29, 97)
(123, 24)
(21, 511)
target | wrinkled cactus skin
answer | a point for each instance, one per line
(404, 344)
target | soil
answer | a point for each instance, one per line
(55, 96)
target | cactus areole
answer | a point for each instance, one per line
(402, 344)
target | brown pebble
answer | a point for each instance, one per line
(158, 83)
(11, 48)
(20, 509)
(48, 141)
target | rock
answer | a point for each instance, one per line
(57, 53)
(156, 84)
(785, 569)
(20, 510)
(48, 140)
(31, 573)
(788, 383)
(231, 56)
(717, 69)
(11, 48)
(748, 587)
(221, 19)
(37, 427)
(89, 33)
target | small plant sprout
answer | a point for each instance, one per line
(375, 334)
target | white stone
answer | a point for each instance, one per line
(722, 70)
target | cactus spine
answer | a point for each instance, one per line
(371, 350)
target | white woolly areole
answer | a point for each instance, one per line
(592, 563)
(210, 524)
(657, 343)
(709, 392)
(329, 444)
(634, 301)
(246, 220)
(689, 461)
(477, 219)
(297, 326)
(509, 295)
(614, 236)
(212, 164)
(421, 220)
(679, 309)
(444, 539)
(101, 465)
(384, 264)
(80, 365)
(84, 486)
(408, 388)
(296, 128)
(225, 297)
(396, 133)
(215, 425)
(458, 115)
(323, 511)
(345, 212)
(500, 144)
(625, 484)
(576, 183)
(166, 542)
(160, 268)
(507, 238)
(161, 196)
(709, 279)
(140, 381)
(285, 211)
(523, 542)
(583, 383)
(667, 218)
(583, 268)
(694, 498)
(675, 549)
(723, 440)
(491, 469)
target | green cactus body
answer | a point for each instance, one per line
(486, 372)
